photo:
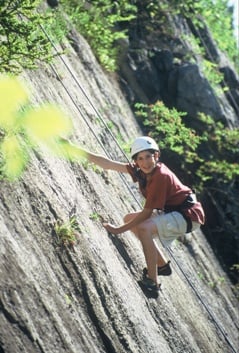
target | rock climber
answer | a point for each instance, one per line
(170, 208)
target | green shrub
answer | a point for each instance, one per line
(217, 16)
(220, 153)
(23, 43)
(208, 159)
(178, 142)
(97, 21)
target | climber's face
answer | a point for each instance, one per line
(146, 161)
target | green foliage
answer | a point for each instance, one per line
(24, 129)
(218, 18)
(213, 75)
(168, 128)
(209, 159)
(67, 231)
(167, 124)
(95, 216)
(156, 17)
(98, 21)
(221, 160)
(23, 43)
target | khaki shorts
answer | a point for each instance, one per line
(171, 226)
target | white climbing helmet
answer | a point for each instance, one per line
(142, 144)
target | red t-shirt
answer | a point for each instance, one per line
(162, 188)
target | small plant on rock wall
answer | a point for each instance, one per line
(217, 282)
(67, 232)
(95, 216)
(213, 284)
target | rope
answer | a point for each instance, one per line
(217, 325)
(95, 110)
(224, 334)
(85, 94)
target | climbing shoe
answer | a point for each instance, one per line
(149, 284)
(164, 270)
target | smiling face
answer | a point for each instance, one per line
(146, 161)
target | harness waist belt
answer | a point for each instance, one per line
(187, 203)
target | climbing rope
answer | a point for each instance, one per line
(85, 95)
(206, 307)
(107, 153)
(224, 334)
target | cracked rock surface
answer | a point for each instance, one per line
(86, 298)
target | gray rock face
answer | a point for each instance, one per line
(86, 298)
(171, 72)
(199, 99)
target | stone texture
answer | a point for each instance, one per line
(86, 298)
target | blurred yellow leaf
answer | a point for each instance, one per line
(13, 95)
(46, 123)
(23, 131)
(14, 157)
(70, 151)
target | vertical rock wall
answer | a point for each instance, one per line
(86, 298)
